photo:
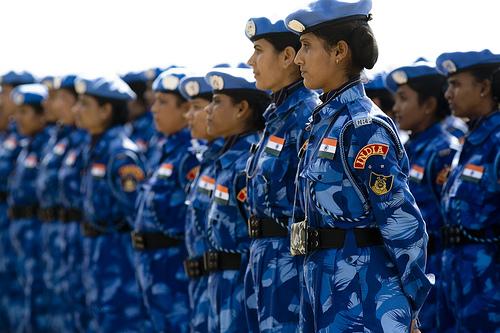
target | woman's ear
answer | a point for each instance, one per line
(106, 111)
(288, 56)
(485, 88)
(243, 110)
(430, 105)
(341, 51)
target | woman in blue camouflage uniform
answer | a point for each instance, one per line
(234, 114)
(113, 169)
(11, 294)
(273, 273)
(420, 107)
(471, 195)
(23, 206)
(159, 226)
(363, 235)
(199, 93)
(70, 214)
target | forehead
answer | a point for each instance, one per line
(309, 37)
(262, 42)
(462, 77)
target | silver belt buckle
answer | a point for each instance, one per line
(298, 238)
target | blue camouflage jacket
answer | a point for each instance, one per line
(228, 210)
(355, 174)
(70, 173)
(471, 195)
(142, 131)
(113, 171)
(47, 181)
(22, 183)
(430, 155)
(272, 168)
(160, 204)
(9, 150)
(198, 200)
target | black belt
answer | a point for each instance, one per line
(333, 238)
(23, 212)
(67, 215)
(221, 261)
(3, 196)
(265, 227)
(455, 236)
(153, 241)
(90, 231)
(49, 214)
(194, 267)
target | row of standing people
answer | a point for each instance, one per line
(330, 172)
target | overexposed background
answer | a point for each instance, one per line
(98, 37)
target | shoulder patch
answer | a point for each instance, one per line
(191, 175)
(380, 184)
(242, 195)
(362, 122)
(132, 171)
(443, 175)
(367, 151)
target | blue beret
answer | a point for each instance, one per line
(192, 86)
(65, 82)
(133, 77)
(152, 73)
(30, 94)
(105, 87)
(377, 82)
(169, 80)
(405, 74)
(261, 27)
(224, 79)
(48, 81)
(451, 63)
(222, 65)
(17, 78)
(327, 11)
(243, 65)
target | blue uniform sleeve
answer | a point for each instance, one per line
(381, 167)
(127, 173)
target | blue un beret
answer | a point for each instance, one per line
(454, 62)
(403, 75)
(377, 82)
(261, 27)
(193, 86)
(327, 11)
(169, 80)
(65, 82)
(30, 94)
(105, 87)
(224, 79)
(17, 78)
(133, 77)
(48, 81)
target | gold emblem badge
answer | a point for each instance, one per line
(380, 184)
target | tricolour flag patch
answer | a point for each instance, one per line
(98, 170)
(473, 173)
(31, 161)
(221, 195)
(328, 148)
(59, 149)
(10, 143)
(70, 159)
(166, 170)
(274, 145)
(206, 185)
(416, 173)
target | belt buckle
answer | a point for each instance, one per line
(254, 230)
(192, 268)
(298, 238)
(138, 241)
(211, 261)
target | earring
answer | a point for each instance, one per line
(337, 61)
(482, 95)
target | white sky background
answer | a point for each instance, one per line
(100, 37)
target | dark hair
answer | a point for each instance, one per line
(139, 87)
(483, 72)
(119, 108)
(495, 85)
(207, 96)
(280, 41)
(358, 35)
(385, 97)
(432, 86)
(72, 91)
(38, 108)
(180, 98)
(258, 102)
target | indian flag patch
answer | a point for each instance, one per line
(30, 161)
(221, 195)
(98, 170)
(206, 185)
(274, 145)
(59, 149)
(416, 173)
(472, 173)
(10, 143)
(70, 159)
(328, 148)
(166, 170)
